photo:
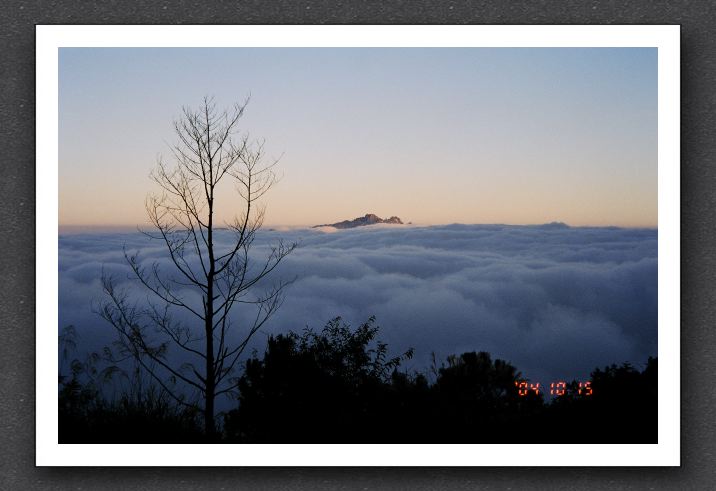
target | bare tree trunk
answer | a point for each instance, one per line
(209, 424)
(210, 427)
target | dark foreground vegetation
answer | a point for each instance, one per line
(340, 386)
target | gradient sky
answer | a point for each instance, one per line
(435, 136)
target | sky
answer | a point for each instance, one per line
(434, 136)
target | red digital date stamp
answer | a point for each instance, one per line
(555, 388)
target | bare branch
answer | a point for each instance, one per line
(209, 153)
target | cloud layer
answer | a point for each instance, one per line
(555, 301)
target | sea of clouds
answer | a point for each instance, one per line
(556, 301)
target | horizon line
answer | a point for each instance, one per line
(69, 228)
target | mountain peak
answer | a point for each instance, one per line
(368, 219)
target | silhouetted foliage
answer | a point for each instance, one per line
(315, 384)
(102, 403)
(333, 386)
(335, 383)
(474, 399)
(622, 409)
(340, 385)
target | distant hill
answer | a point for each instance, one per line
(368, 219)
(554, 226)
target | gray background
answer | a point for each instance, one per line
(17, 222)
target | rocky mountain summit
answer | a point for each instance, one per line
(368, 219)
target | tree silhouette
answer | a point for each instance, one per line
(339, 385)
(622, 407)
(207, 157)
(327, 386)
(99, 402)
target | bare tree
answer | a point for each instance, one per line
(207, 154)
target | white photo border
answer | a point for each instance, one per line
(663, 37)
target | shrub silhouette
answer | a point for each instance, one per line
(330, 386)
(333, 387)
(340, 385)
(475, 399)
(622, 409)
(140, 413)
